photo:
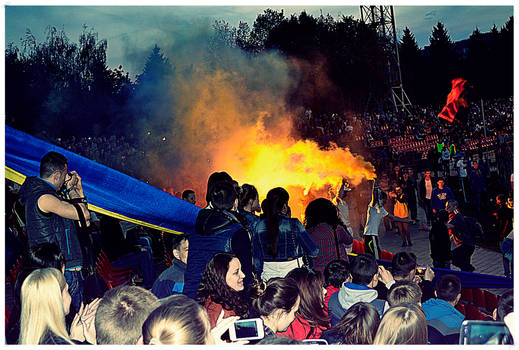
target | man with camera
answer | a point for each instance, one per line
(50, 215)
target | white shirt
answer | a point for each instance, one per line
(428, 188)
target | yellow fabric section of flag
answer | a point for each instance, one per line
(19, 178)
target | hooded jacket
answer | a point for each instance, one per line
(444, 318)
(216, 231)
(349, 294)
(48, 227)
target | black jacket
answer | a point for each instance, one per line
(47, 227)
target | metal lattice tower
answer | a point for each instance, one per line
(382, 19)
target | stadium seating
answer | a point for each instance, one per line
(112, 276)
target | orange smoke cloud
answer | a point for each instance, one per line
(236, 120)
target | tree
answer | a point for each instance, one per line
(442, 65)
(410, 63)
(262, 27)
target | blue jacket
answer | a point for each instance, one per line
(443, 317)
(170, 281)
(290, 231)
(252, 221)
(216, 231)
(439, 197)
(477, 181)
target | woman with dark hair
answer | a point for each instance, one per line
(283, 241)
(276, 303)
(248, 204)
(358, 326)
(322, 223)
(220, 286)
(311, 318)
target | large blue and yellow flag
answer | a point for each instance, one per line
(108, 191)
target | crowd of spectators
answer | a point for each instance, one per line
(295, 277)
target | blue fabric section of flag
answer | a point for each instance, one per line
(104, 187)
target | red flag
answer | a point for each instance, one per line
(453, 100)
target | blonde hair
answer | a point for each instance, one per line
(403, 324)
(178, 321)
(42, 306)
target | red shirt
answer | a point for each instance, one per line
(214, 310)
(300, 329)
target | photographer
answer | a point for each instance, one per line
(50, 217)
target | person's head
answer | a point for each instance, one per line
(45, 302)
(45, 255)
(451, 205)
(249, 198)
(223, 196)
(189, 196)
(222, 280)
(180, 247)
(505, 305)
(364, 270)
(441, 183)
(311, 291)
(398, 189)
(359, 324)
(121, 313)
(404, 291)
(410, 171)
(276, 204)
(277, 303)
(321, 210)
(448, 288)
(178, 321)
(403, 324)
(397, 168)
(215, 178)
(336, 273)
(403, 266)
(54, 168)
(475, 164)
(427, 174)
(38, 257)
(405, 176)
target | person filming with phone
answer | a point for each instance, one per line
(53, 201)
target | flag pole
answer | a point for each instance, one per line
(484, 122)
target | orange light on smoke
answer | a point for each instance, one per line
(301, 167)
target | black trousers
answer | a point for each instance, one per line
(461, 257)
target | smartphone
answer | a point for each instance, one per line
(420, 270)
(484, 332)
(315, 341)
(248, 329)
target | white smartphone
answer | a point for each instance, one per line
(248, 329)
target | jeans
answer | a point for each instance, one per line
(75, 287)
(428, 210)
(140, 260)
